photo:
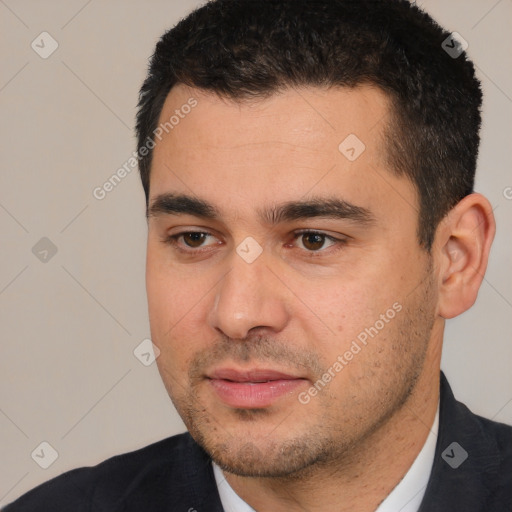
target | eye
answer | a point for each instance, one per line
(194, 239)
(314, 241)
(187, 241)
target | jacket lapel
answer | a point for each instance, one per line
(200, 492)
(466, 460)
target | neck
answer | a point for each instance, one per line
(367, 475)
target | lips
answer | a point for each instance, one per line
(255, 375)
(252, 389)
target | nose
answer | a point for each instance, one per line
(249, 297)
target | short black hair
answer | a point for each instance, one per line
(250, 49)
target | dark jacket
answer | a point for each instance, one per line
(175, 475)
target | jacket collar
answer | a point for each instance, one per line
(199, 490)
(466, 460)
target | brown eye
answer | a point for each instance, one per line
(194, 239)
(313, 241)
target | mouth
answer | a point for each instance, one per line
(252, 389)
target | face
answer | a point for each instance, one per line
(288, 295)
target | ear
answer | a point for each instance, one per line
(461, 250)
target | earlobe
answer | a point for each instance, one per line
(462, 247)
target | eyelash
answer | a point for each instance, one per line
(339, 243)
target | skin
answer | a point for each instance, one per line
(299, 306)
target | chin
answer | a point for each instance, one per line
(266, 457)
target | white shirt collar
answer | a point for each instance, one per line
(408, 493)
(230, 500)
(405, 497)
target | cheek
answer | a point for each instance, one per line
(170, 291)
(342, 305)
(170, 310)
(179, 300)
(346, 313)
(170, 297)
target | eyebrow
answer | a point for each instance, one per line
(181, 204)
(330, 207)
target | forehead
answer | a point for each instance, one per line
(309, 115)
(282, 148)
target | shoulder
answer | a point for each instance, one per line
(158, 474)
(483, 437)
(472, 468)
(501, 433)
(499, 438)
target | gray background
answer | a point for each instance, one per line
(70, 324)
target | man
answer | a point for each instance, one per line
(308, 169)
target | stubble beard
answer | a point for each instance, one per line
(326, 442)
